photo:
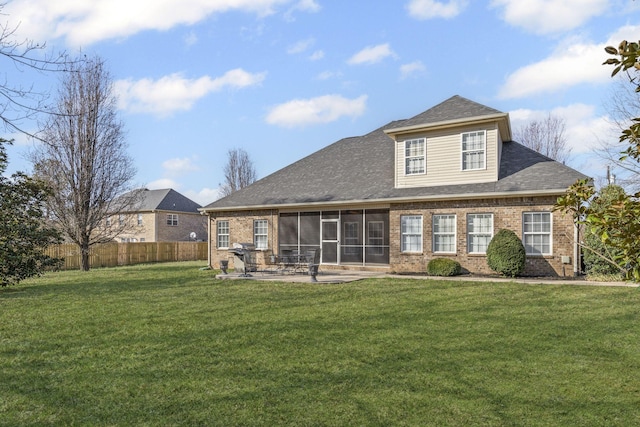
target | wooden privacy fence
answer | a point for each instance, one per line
(115, 254)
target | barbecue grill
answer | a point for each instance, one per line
(244, 258)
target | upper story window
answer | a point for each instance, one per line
(415, 156)
(444, 233)
(223, 234)
(536, 233)
(139, 219)
(474, 150)
(411, 233)
(260, 236)
(479, 232)
(172, 219)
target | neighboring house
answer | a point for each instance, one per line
(163, 216)
(440, 184)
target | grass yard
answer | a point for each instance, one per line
(167, 344)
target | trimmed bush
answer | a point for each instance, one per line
(506, 254)
(443, 267)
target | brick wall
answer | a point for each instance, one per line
(507, 214)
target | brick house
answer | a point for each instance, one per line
(163, 216)
(439, 184)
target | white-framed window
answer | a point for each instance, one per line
(172, 220)
(415, 156)
(536, 233)
(107, 221)
(411, 233)
(139, 219)
(121, 220)
(479, 232)
(474, 153)
(444, 233)
(223, 234)
(260, 234)
(375, 236)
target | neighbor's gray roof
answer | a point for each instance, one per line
(362, 169)
(166, 200)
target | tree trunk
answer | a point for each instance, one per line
(84, 251)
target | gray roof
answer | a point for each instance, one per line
(166, 200)
(454, 108)
(362, 169)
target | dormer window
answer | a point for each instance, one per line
(474, 150)
(415, 158)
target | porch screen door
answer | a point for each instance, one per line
(330, 241)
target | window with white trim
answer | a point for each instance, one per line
(260, 234)
(444, 233)
(536, 233)
(139, 219)
(172, 220)
(474, 150)
(223, 234)
(479, 232)
(411, 233)
(415, 156)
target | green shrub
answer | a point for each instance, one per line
(506, 254)
(443, 267)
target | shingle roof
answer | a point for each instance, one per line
(454, 108)
(362, 169)
(166, 200)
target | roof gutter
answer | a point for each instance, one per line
(462, 196)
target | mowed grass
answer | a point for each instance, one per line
(168, 344)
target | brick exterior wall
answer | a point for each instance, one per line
(154, 227)
(507, 213)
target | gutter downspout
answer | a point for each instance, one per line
(576, 250)
(209, 241)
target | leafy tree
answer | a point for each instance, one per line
(546, 137)
(83, 159)
(618, 225)
(24, 234)
(239, 171)
(598, 257)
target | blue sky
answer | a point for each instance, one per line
(284, 78)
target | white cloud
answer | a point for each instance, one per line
(549, 16)
(323, 109)
(427, 9)
(326, 75)
(583, 127)
(371, 54)
(310, 6)
(300, 46)
(317, 55)
(162, 183)
(176, 93)
(573, 62)
(204, 196)
(180, 166)
(82, 23)
(411, 69)
(191, 38)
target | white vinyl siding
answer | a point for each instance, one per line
(479, 232)
(443, 159)
(536, 233)
(474, 151)
(411, 233)
(415, 160)
(444, 233)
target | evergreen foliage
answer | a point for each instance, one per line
(506, 254)
(443, 267)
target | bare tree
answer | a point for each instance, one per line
(83, 158)
(19, 102)
(239, 171)
(546, 136)
(623, 106)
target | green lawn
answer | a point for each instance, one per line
(167, 344)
